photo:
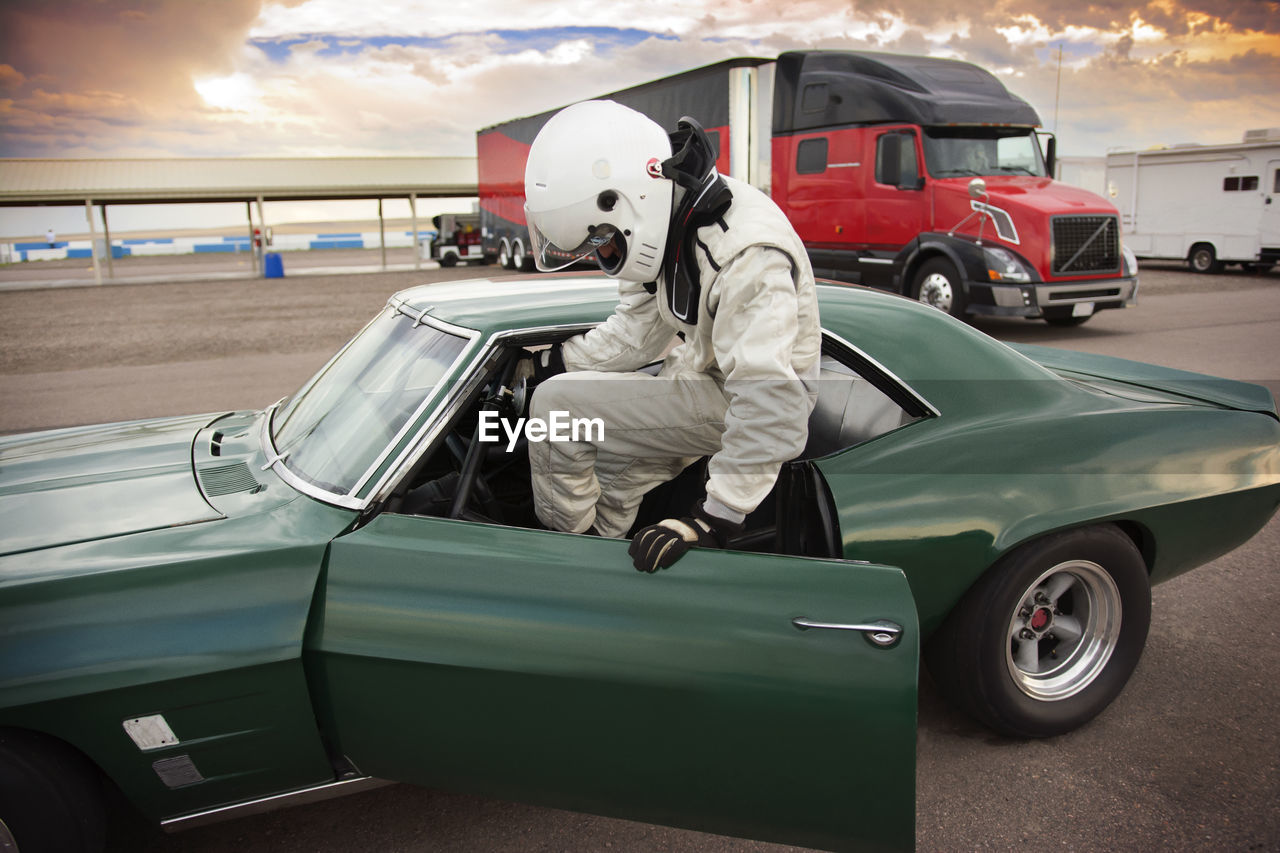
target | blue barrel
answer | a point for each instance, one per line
(272, 266)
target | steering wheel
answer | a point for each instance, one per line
(475, 499)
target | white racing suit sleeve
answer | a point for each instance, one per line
(754, 336)
(633, 336)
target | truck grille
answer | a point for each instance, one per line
(1083, 245)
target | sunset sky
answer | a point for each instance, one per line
(89, 78)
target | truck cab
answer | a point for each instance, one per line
(926, 176)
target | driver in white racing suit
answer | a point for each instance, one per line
(699, 257)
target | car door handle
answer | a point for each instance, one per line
(882, 633)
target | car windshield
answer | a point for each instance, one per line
(951, 152)
(334, 431)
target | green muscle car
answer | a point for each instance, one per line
(241, 609)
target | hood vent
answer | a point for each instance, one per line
(227, 479)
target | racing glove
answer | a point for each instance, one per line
(660, 545)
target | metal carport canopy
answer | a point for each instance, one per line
(26, 182)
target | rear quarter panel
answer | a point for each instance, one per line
(945, 498)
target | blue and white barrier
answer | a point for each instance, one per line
(42, 251)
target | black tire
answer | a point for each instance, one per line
(1006, 657)
(1204, 259)
(1062, 317)
(504, 256)
(937, 283)
(51, 797)
(519, 260)
(448, 259)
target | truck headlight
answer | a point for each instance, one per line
(1002, 265)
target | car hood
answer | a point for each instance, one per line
(74, 485)
(1228, 393)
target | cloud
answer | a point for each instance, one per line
(173, 77)
(10, 77)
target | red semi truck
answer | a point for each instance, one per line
(921, 175)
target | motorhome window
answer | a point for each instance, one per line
(1248, 183)
(952, 152)
(1275, 188)
(1230, 185)
(811, 156)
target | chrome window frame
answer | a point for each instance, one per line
(351, 499)
(930, 409)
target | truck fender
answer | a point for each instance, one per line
(965, 255)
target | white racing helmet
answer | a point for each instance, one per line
(593, 184)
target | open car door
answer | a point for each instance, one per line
(743, 694)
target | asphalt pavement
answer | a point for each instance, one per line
(1188, 757)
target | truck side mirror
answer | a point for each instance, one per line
(978, 188)
(1050, 151)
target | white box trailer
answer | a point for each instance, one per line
(1208, 205)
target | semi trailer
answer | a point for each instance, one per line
(920, 175)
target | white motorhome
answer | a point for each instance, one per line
(1209, 205)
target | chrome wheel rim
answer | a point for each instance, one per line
(1063, 630)
(1201, 260)
(504, 255)
(517, 255)
(935, 290)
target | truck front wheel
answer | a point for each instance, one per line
(938, 284)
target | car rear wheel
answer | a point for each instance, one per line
(1049, 636)
(938, 284)
(50, 796)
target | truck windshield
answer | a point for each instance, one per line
(951, 152)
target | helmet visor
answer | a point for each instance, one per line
(551, 254)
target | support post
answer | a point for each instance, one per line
(253, 253)
(413, 215)
(106, 230)
(93, 241)
(262, 253)
(382, 236)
